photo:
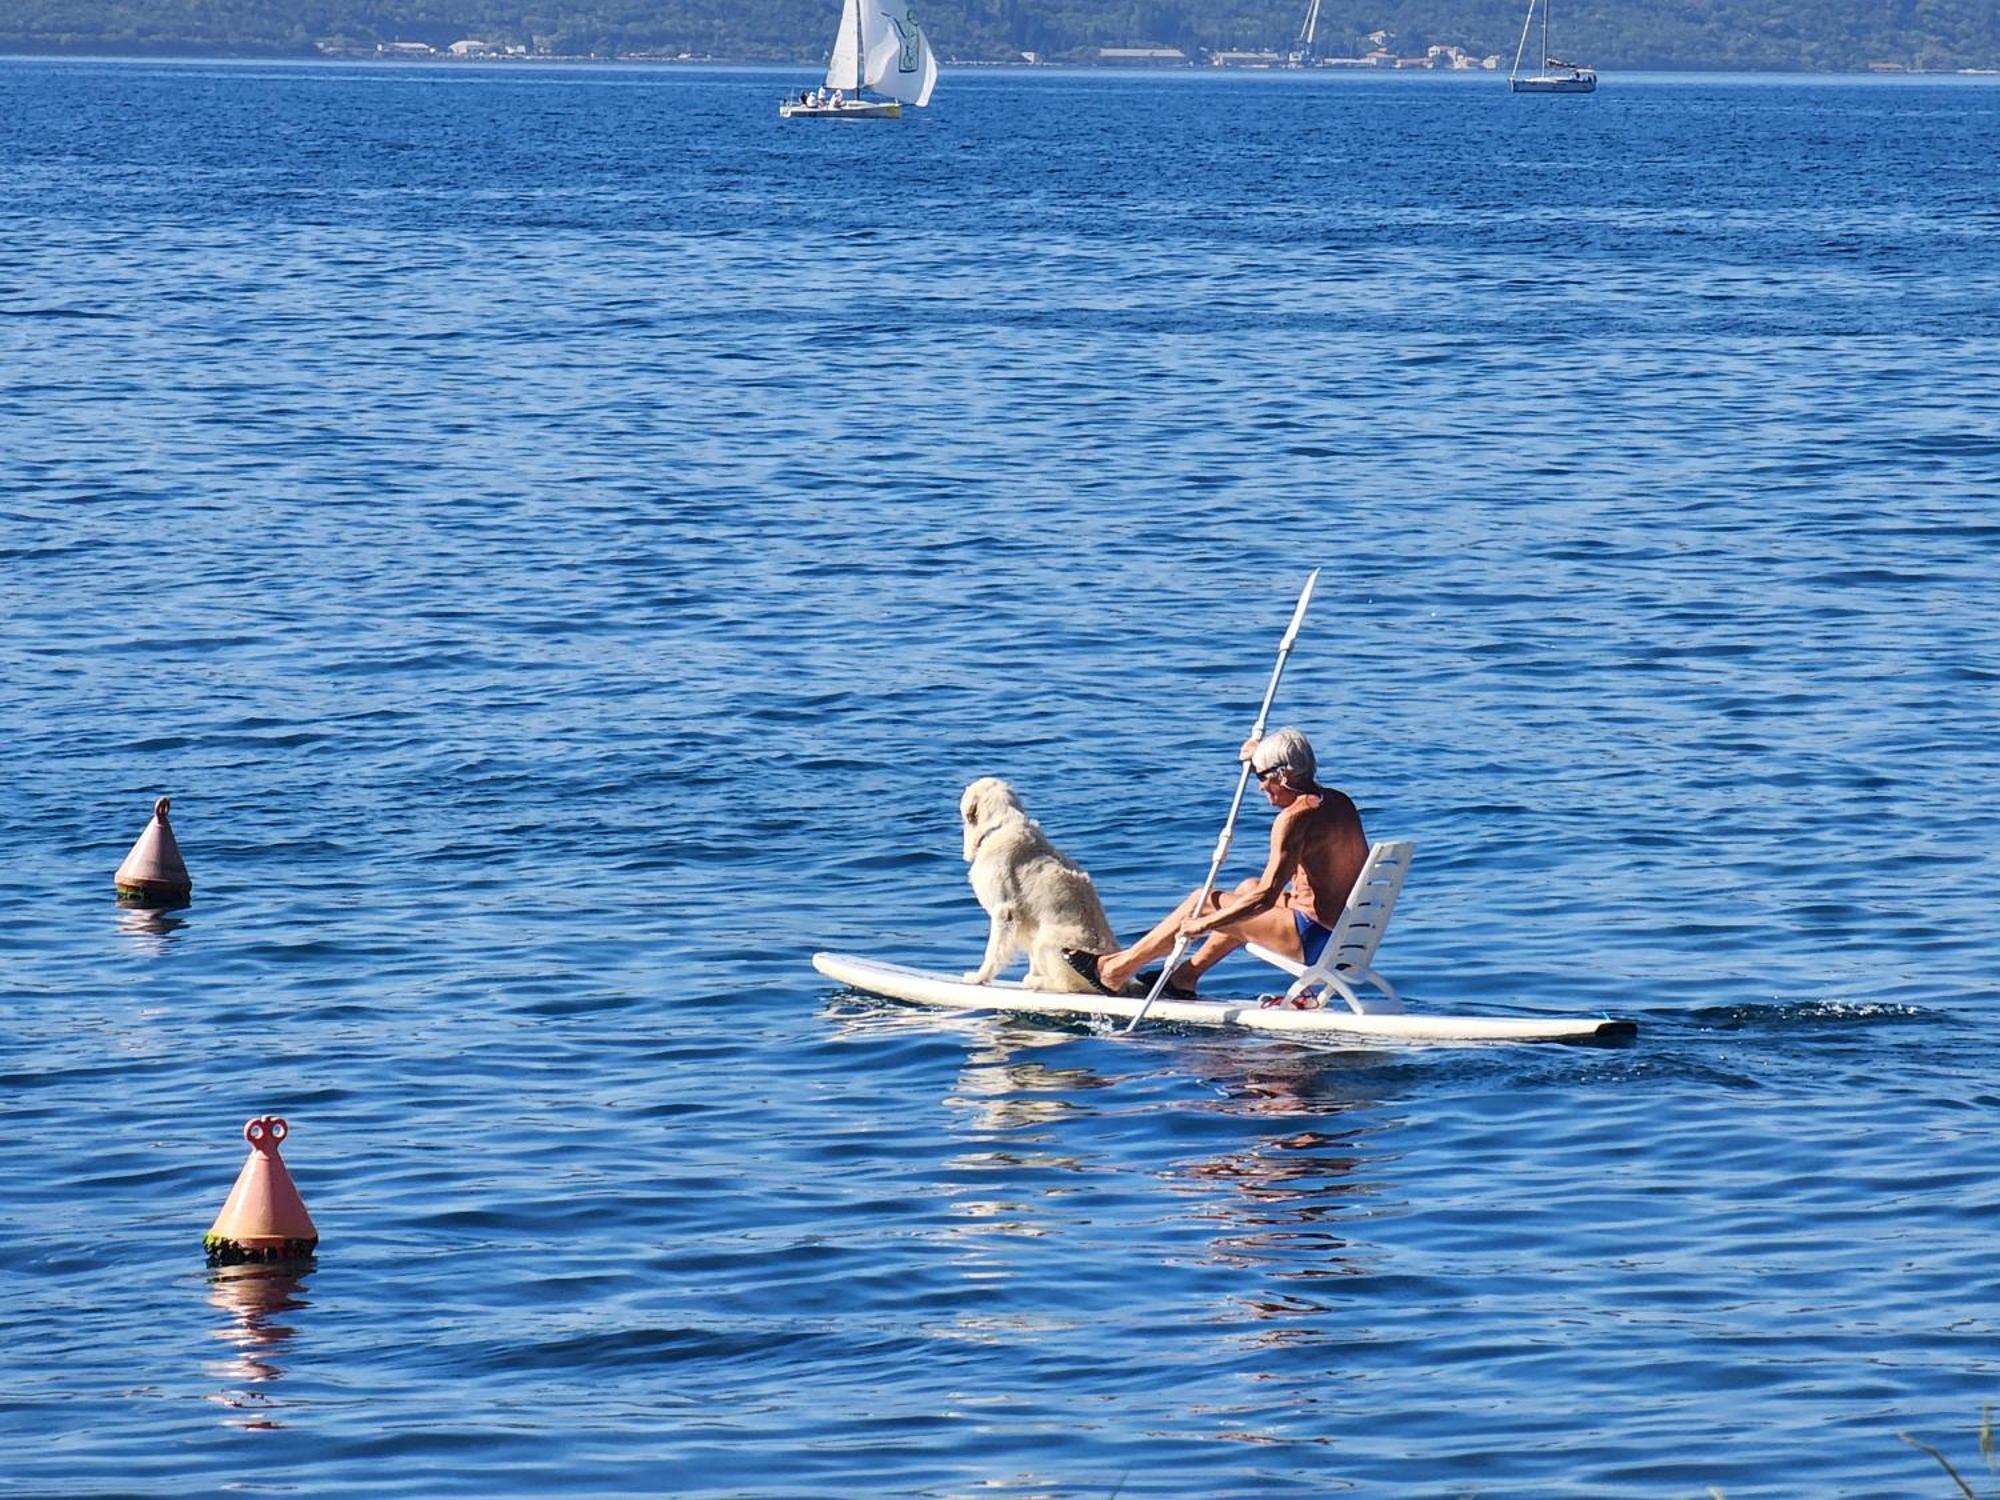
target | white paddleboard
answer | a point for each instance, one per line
(901, 983)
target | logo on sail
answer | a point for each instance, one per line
(911, 38)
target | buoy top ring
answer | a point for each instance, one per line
(265, 1132)
(160, 808)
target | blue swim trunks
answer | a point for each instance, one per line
(1312, 936)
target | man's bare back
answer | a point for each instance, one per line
(1322, 838)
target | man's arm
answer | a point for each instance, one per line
(1270, 885)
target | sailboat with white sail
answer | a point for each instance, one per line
(1556, 76)
(881, 48)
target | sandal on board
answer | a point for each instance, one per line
(1142, 983)
(1086, 965)
(1297, 1002)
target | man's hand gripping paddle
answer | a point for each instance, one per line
(1236, 803)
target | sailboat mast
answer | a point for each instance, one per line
(858, 69)
(1545, 38)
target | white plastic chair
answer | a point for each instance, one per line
(1346, 962)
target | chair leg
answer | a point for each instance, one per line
(1388, 992)
(1335, 983)
(1329, 985)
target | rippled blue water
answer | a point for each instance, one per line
(564, 538)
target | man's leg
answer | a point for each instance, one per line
(1274, 929)
(1116, 968)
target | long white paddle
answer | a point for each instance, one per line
(1236, 802)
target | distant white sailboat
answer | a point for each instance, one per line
(1570, 80)
(1306, 53)
(881, 47)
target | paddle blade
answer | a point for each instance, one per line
(1299, 614)
(1173, 962)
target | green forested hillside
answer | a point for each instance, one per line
(1722, 34)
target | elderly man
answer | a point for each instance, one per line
(1317, 850)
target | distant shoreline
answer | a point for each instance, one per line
(1106, 69)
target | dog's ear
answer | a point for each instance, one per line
(973, 813)
(971, 805)
(985, 800)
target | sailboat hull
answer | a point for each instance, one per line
(1558, 83)
(847, 109)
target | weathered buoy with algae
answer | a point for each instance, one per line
(264, 1217)
(153, 873)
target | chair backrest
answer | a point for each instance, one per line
(1351, 949)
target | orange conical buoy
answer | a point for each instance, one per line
(153, 873)
(264, 1217)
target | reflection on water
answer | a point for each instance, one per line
(1018, 1191)
(1297, 1158)
(1301, 1167)
(256, 1298)
(1003, 1092)
(1284, 1193)
(151, 927)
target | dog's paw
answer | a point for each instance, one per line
(975, 976)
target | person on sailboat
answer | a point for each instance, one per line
(1317, 851)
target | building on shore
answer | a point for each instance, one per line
(1144, 57)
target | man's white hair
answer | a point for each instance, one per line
(1288, 750)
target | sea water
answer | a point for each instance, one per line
(564, 538)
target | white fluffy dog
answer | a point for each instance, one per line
(1038, 901)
